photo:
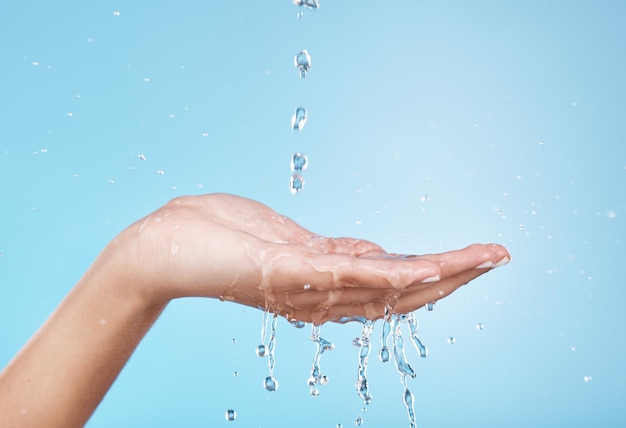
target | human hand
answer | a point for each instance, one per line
(236, 249)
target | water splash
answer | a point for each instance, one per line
(363, 343)
(270, 383)
(322, 345)
(299, 162)
(302, 61)
(430, 306)
(299, 119)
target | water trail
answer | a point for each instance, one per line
(384, 337)
(403, 367)
(260, 350)
(409, 402)
(322, 345)
(414, 327)
(271, 384)
(363, 343)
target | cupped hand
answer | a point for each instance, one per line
(236, 249)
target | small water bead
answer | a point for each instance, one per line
(587, 379)
(299, 119)
(451, 340)
(302, 61)
(299, 162)
(430, 306)
(358, 421)
(296, 184)
(270, 384)
(298, 324)
(230, 415)
(311, 4)
(260, 350)
(480, 326)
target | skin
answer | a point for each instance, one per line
(217, 246)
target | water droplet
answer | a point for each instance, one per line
(234, 340)
(270, 384)
(451, 340)
(479, 326)
(587, 379)
(299, 119)
(142, 156)
(302, 61)
(236, 374)
(296, 184)
(425, 198)
(260, 350)
(430, 306)
(311, 4)
(116, 13)
(521, 226)
(230, 415)
(339, 426)
(299, 162)
(298, 324)
(358, 421)
(160, 172)
(611, 214)
(315, 392)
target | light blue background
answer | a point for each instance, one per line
(432, 125)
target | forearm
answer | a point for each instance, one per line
(61, 375)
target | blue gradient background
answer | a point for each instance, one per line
(432, 125)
